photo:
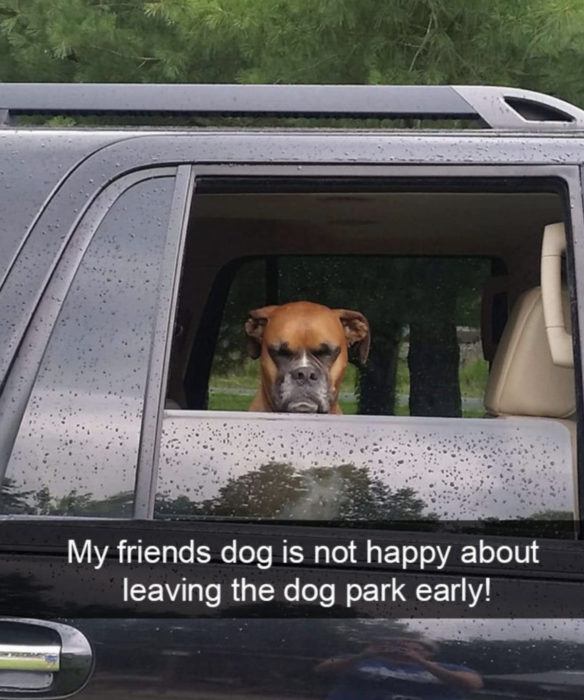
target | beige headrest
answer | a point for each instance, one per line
(523, 379)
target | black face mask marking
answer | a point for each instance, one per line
(302, 381)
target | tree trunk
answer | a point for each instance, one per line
(434, 354)
(378, 378)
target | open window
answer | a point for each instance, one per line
(441, 273)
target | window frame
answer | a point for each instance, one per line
(568, 173)
(568, 177)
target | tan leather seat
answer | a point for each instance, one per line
(523, 380)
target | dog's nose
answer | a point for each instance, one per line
(306, 375)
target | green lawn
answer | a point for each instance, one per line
(237, 402)
(25, 664)
(235, 392)
(229, 402)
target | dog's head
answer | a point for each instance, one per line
(304, 352)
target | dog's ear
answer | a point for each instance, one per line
(254, 329)
(357, 333)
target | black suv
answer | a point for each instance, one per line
(131, 258)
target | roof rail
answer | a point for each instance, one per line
(497, 107)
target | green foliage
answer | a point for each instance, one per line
(473, 378)
(343, 492)
(12, 500)
(274, 490)
(553, 515)
(535, 44)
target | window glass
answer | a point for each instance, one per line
(77, 446)
(364, 468)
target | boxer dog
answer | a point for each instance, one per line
(304, 352)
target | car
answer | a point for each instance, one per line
(156, 537)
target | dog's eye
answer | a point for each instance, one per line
(326, 353)
(323, 351)
(282, 352)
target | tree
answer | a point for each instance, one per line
(14, 501)
(42, 502)
(536, 44)
(267, 492)
(94, 41)
(343, 492)
(166, 506)
(119, 505)
(433, 356)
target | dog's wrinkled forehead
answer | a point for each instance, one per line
(299, 332)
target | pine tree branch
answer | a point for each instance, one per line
(143, 59)
(425, 39)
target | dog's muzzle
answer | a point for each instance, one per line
(303, 388)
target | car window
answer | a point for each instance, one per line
(431, 427)
(77, 446)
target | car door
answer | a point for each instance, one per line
(84, 434)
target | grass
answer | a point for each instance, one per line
(237, 402)
(234, 392)
(228, 402)
(249, 375)
(473, 378)
(25, 664)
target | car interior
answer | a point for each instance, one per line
(502, 228)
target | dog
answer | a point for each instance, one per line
(303, 350)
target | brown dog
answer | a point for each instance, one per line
(303, 349)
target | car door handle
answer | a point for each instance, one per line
(47, 659)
